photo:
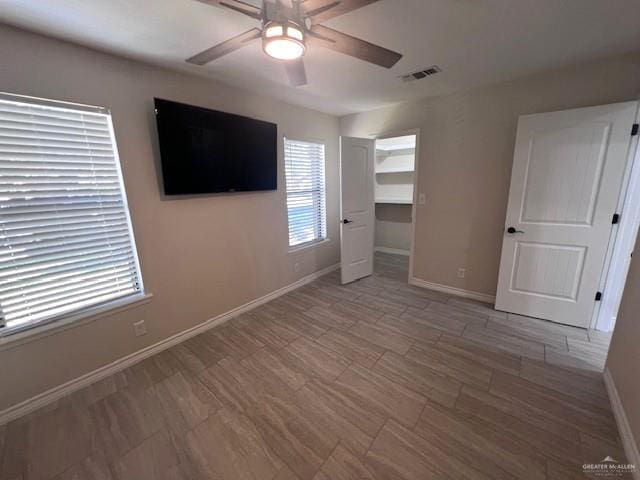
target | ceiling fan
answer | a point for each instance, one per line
(290, 26)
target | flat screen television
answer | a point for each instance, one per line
(206, 151)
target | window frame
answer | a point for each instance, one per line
(93, 311)
(319, 240)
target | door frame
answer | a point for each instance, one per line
(621, 241)
(414, 205)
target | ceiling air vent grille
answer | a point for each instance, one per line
(420, 74)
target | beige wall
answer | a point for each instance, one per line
(393, 226)
(623, 361)
(465, 157)
(200, 256)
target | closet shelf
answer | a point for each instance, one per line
(395, 148)
(395, 170)
(401, 201)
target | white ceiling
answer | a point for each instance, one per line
(475, 42)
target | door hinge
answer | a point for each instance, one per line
(634, 129)
(616, 219)
(598, 296)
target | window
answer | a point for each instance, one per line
(306, 196)
(65, 235)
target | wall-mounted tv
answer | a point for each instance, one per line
(206, 151)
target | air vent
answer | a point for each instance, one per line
(420, 74)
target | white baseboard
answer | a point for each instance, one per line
(394, 251)
(34, 403)
(481, 297)
(624, 429)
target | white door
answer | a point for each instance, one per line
(357, 207)
(567, 175)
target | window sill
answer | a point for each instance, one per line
(10, 338)
(308, 245)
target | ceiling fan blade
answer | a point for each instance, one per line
(296, 72)
(341, 42)
(225, 47)
(321, 10)
(237, 5)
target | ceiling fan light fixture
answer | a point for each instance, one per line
(283, 42)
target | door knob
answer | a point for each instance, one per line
(513, 230)
(345, 221)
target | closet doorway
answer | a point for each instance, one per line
(394, 187)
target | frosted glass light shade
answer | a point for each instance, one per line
(283, 42)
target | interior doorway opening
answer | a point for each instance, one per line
(394, 192)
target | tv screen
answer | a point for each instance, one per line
(206, 151)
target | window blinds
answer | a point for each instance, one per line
(65, 234)
(306, 196)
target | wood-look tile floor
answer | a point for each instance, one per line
(373, 380)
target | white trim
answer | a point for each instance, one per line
(308, 245)
(56, 393)
(26, 334)
(621, 243)
(394, 251)
(624, 429)
(460, 292)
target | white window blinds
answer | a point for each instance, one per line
(306, 195)
(65, 235)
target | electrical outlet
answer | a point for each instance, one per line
(422, 199)
(296, 267)
(462, 272)
(140, 328)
